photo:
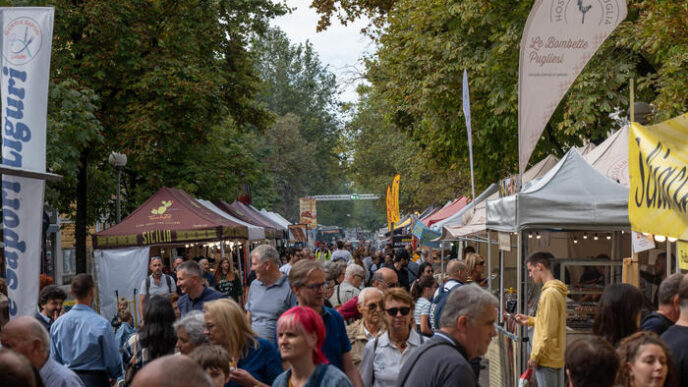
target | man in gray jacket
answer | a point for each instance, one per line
(466, 329)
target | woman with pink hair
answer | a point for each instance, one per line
(300, 337)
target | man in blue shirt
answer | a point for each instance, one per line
(195, 293)
(307, 279)
(269, 295)
(84, 341)
(50, 301)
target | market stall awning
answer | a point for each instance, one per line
(170, 216)
(255, 233)
(456, 219)
(246, 216)
(572, 195)
(611, 157)
(447, 211)
(473, 222)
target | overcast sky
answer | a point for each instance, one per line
(339, 47)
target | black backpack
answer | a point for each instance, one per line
(169, 284)
(438, 305)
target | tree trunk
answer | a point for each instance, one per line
(80, 231)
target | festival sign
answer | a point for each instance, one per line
(658, 169)
(309, 213)
(26, 44)
(559, 39)
(395, 198)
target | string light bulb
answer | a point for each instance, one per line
(585, 235)
(596, 237)
(530, 235)
(672, 239)
(609, 237)
(575, 239)
(660, 238)
(537, 236)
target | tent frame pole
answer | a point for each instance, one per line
(520, 307)
(489, 261)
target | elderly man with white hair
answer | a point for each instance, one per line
(466, 329)
(26, 336)
(350, 287)
(369, 326)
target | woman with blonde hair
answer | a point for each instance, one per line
(228, 281)
(255, 361)
(384, 356)
(476, 268)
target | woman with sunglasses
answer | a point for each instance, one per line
(369, 326)
(476, 268)
(384, 356)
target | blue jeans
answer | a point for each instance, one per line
(549, 377)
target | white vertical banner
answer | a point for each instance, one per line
(559, 39)
(26, 43)
(467, 113)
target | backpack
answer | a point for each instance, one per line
(169, 284)
(438, 305)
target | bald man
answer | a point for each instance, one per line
(15, 370)
(27, 336)
(383, 279)
(172, 371)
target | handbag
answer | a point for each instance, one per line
(131, 371)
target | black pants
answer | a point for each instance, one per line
(93, 378)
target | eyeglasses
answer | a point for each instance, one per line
(391, 284)
(316, 287)
(404, 310)
(358, 275)
(372, 306)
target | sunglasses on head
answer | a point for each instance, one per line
(404, 310)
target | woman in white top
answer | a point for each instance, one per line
(384, 356)
(422, 290)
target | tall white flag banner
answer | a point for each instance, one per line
(467, 113)
(26, 43)
(559, 39)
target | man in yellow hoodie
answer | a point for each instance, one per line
(549, 337)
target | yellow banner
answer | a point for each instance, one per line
(389, 202)
(682, 255)
(658, 169)
(395, 198)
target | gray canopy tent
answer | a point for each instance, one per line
(572, 196)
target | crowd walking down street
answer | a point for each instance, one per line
(428, 335)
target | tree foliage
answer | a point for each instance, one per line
(301, 148)
(424, 46)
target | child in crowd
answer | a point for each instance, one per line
(125, 330)
(215, 362)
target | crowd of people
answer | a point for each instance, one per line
(336, 317)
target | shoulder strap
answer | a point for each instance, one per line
(169, 283)
(321, 374)
(339, 300)
(374, 350)
(147, 285)
(418, 354)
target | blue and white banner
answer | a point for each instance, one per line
(467, 114)
(26, 43)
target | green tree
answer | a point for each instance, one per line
(171, 84)
(301, 149)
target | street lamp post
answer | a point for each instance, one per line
(118, 160)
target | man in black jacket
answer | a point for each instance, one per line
(466, 329)
(668, 311)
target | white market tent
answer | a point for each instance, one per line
(473, 222)
(255, 233)
(573, 195)
(275, 217)
(611, 157)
